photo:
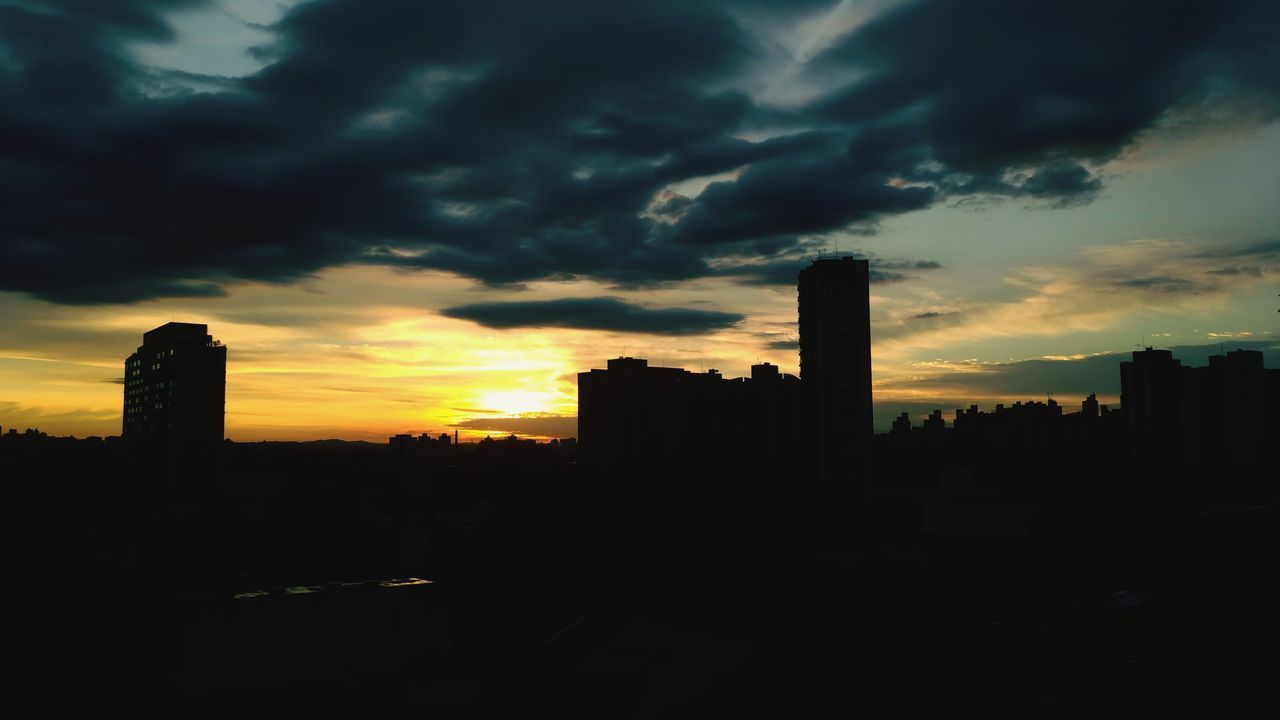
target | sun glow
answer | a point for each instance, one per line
(520, 402)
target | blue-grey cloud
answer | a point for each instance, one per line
(1031, 379)
(786, 272)
(1162, 284)
(1263, 257)
(1263, 250)
(1249, 270)
(600, 313)
(548, 426)
(513, 141)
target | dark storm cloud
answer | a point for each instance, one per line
(136, 18)
(794, 196)
(603, 313)
(1011, 97)
(1062, 183)
(511, 141)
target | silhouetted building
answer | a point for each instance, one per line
(835, 367)
(424, 446)
(1181, 417)
(1026, 442)
(1238, 404)
(772, 416)
(403, 443)
(1089, 408)
(1178, 425)
(631, 415)
(901, 425)
(175, 389)
(1149, 394)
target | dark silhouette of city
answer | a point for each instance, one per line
(707, 546)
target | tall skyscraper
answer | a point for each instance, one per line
(1150, 395)
(175, 388)
(835, 369)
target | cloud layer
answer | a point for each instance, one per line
(552, 426)
(513, 141)
(601, 313)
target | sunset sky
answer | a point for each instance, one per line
(420, 216)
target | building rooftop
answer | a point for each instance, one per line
(176, 332)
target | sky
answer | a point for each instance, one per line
(410, 216)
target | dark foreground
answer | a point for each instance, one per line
(292, 580)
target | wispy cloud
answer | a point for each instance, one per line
(1102, 287)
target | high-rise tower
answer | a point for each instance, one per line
(175, 389)
(835, 368)
(1150, 395)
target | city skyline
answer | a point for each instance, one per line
(145, 386)
(412, 255)
(640, 358)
